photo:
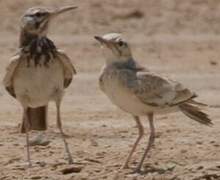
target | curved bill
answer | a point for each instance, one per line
(62, 10)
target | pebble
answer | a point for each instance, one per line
(73, 169)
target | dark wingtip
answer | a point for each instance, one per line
(196, 114)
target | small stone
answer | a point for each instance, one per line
(36, 177)
(200, 167)
(199, 142)
(212, 142)
(93, 160)
(73, 169)
(15, 144)
(93, 142)
(41, 163)
(183, 151)
(213, 63)
(216, 145)
(39, 141)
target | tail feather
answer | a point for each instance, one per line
(37, 118)
(192, 101)
(195, 113)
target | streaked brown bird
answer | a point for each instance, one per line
(39, 72)
(140, 92)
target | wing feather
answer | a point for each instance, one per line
(155, 90)
(69, 69)
(10, 70)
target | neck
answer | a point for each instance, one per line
(116, 60)
(37, 46)
(26, 38)
(129, 64)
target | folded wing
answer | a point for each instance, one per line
(69, 69)
(154, 90)
(10, 70)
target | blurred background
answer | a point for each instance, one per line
(180, 39)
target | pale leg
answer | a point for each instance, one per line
(140, 135)
(27, 127)
(59, 124)
(150, 142)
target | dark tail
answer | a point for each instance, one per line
(37, 118)
(195, 113)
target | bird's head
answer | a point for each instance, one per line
(115, 48)
(36, 20)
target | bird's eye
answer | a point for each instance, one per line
(38, 14)
(120, 43)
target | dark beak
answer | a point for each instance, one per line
(100, 39)
(103, 41)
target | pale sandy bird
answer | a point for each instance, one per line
(140, 92)
(39, 72)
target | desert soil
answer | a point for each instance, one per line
(179, 39)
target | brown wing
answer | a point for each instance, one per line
(154, 90)
(8, 78)
(69, 69)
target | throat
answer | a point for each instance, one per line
(40, 50)
(129, 64)
(26, 38)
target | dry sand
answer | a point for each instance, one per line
(180, 39)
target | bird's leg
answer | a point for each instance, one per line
(150, 142)
(27, 127)
(59, 124)
(140, 135)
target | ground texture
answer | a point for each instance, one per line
(180, 39)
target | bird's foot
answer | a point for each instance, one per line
(70, 159)
(125, 166)
(22, 165)
(137, 170)
(29, 164)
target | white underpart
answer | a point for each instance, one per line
(36, 86)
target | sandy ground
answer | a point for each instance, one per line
(179, 39)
